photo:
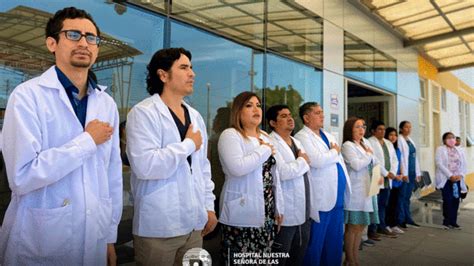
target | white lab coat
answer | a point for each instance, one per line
(241, 201)
(404, 149)
(291, 171)
(378, 152)
(169, 199)
(442, 171)
(66, 191)
(357, 161)
(323, 173)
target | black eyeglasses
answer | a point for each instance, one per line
(75, 35)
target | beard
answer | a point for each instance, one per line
(82, 63)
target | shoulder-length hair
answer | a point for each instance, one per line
(387, 133)
(237, 105)
(348, 126)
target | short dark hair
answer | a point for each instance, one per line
(272, 112)
(446, 135)
(163, 59)
(306, 108)
(376, 124)
(56, 23)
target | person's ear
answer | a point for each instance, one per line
(272, 123)
(51, 44)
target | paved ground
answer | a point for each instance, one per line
(430, 244)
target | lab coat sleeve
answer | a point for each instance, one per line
(352, 159)
(393, 160)
(29, 167)
(115, 181)
(291, 169)
(440, 165)
(318, 158)
(206, 170)
(402, 145)
(149, 158)
(233, 158)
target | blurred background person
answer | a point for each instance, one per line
(411, 166)
(360, 209)
(450, 173)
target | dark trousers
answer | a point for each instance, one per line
(292, 240)
(382, 202)
(450, 204)
(391, 213)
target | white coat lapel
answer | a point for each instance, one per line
(166, 113)
(49, 79)
(282, 143)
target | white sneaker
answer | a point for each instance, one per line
(388, 229)
(397, 230)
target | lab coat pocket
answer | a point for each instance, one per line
(242, 210)
(159, 210)
(46, 233)
(104, 217)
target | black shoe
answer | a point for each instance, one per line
(402, 225)
(456, 226)
(415, 225)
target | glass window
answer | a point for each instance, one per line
(295, 33)
(423, 113)
(240, 20)
(292, 83)
(366, 63)
(385, 71)
(220, 76)
(435, 97)
(443, 99)
(358, 59)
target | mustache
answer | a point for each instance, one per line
(81, 51)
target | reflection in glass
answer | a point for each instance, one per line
(295, 32)
(366, 63)
(292, 83)
(240, 20)
(223, 70)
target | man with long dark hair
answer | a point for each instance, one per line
(171, 175)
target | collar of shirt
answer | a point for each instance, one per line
(69, 86)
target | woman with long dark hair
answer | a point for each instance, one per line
(251, 194)
(394, 201)
(410, 168)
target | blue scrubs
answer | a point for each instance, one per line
(325, 244)
(407, 188)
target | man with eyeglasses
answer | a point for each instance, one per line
(328, 181)
(61, 148)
